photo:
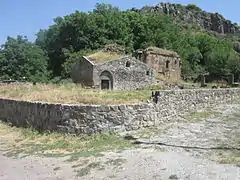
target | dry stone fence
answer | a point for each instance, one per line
(89, 119)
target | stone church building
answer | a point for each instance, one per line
(111, 70)
(121, 73)
(166, 63)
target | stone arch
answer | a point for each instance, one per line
(106, 80)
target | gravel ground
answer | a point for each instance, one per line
(151, 164)
(33, 168)
(187, 149)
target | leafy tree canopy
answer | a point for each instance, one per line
(75, 34)
(193, 7)
(20, 58)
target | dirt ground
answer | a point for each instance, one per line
(204, 145)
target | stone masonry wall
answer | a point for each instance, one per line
(88, 119)
(82, 72)
(158, 62)
(137, 75)
(75, 119)
(174, 103)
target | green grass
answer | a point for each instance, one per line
(56, 168)
(83, 172)
(86, 170)
(27, 142)
(174, 176)
(83, 162)
(116, 162)
(154, 87)
(230, 157)
(198, 116)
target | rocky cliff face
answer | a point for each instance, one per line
(194, 15)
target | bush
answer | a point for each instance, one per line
(193, 7)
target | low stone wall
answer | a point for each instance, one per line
(174, 103)
(88, 119)
(75, 119)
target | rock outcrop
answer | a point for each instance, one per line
(194, 15)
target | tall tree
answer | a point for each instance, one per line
(21, 58)
(85, 32)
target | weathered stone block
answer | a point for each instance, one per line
(122, 107)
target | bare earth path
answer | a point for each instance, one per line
(201, 146)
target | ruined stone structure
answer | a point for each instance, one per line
(89, 119)
(165, 62)
(112, 71)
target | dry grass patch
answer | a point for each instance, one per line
(86, 170)
(26, 142)
(101, 57)
(229, 157)
(71, 94)
(200, 115)
(161, 51)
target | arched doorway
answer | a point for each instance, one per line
(106, 80)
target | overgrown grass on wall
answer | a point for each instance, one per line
(71, 94)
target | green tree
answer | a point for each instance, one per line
(81, 32)
(21, 58)
(193, 7)
(71, 59)
(233, 64)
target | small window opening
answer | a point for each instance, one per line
(128, 64)
(167, 65)
(175, 62)
(148, 73)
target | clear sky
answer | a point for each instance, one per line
(26, 17)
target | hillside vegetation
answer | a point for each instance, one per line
(80, 33)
